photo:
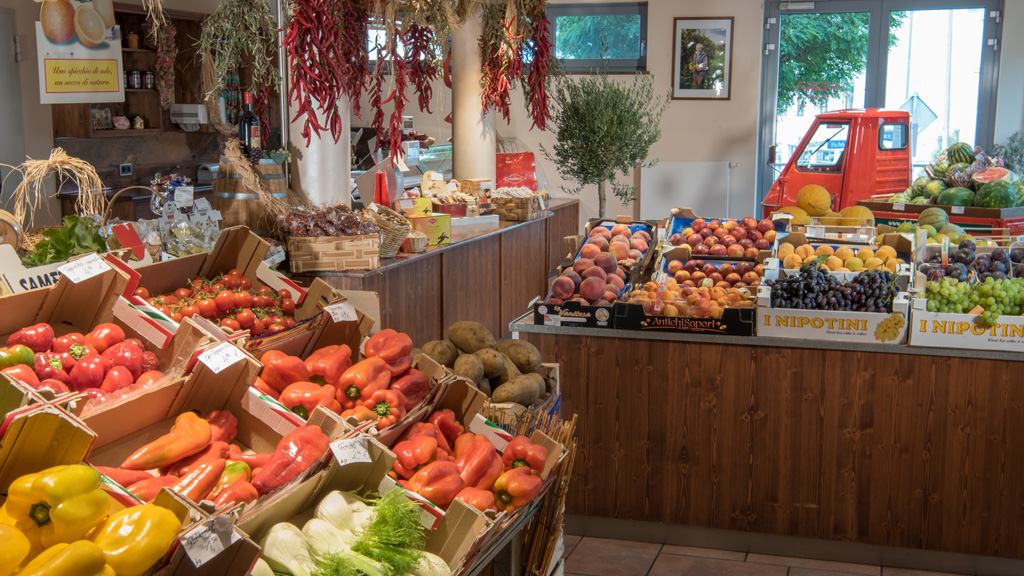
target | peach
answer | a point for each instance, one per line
(744, 267)
(621, 273)
(751, 252)
(732, 278)
(592, 288)
(726, 269)
(610, 295)
(606, 261)
(601, 231)
(697, 277)
(600, 241)
(751, 277)
(706, 232)
(682, 276)
(718, 249)
(562, 287)
(614, 280)
(628, 261)
(745, 243)
(589, 251)
(674, 266)
(692, 265)
(698, 224)
(720, 233)
(554, 301)
(620, 240)
(770, 235)
(723, 285)
(694, 239)
(710, 241)
(728, 240)
(701, 249)
(676, 239)
(581, 265)
(749, 223)
(715, 224)
(762, 244)
(602, 303)
(709, 269)
(594, 272)
(621, 230)
(643, 235)
(619, 250)
(636, 254)
(738, 233)
(715, 277)
(576, 278)
(638, 244)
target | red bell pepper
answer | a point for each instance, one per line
(264, 388)
(280, 370)
(240, 491)
(394, 348)
(17, 354)
(127, 355)
(198, 483)
(189, 435)
(104, 336)
(362, 380)
(438, 482)
(215, 451)
(50, 365)
(150, 361)
(521, 452)
(146, 490)
(414, 385)
(23, 374)
(150, 379)
(388, 405)
(327, 364)
(482, 500)
(446, 424)
(255, 460)
(360, 413)
(88, 372)
(413, 454)
(303, 397)
(55, 386)
(75, 346)
(297, 452)
(223, 426)
(39, 337)
(116, 378)
(427, 429)
(124, 477)
(233, 471)
(137, 342)
(516, 488)
(478, 461)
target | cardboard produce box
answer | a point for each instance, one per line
(833, 325)
(549, 405)
(939, 330)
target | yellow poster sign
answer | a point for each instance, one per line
(78, 64)
(74, 76)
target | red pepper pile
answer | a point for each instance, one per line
(382, 387)
(100, 363)
(508, 40)
(197, 460)
(438, 460)
(231, 301)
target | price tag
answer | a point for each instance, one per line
(84, 268)
(215, 215)
(183, 196)
(206, 541)
(274, 258)
(342, 312)
(899, 206)
(543, 204)
(350, 451)
(435, 176)
(203, 204)
(221, 357)
(957, 209)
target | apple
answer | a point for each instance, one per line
(749, 223)
(719, 250)
(739, 233)
(721, 233)
(727, 240)
(751, 252)
(698, 224)
(701, 249)
(710, 241)
(762, 244)
(735, 251)
(715, 277)
(698, 277)
(733, 278)
(745, 242)
(770, 235)
(755, 235)
(715, 224)
(674, 266)
(729, 225)
(691, 265)
(765, 225)
(751, 277)
(694, 239)
(709, 269)
(706, 233)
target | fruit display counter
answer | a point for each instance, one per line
(856, 442)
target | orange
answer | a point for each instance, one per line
(89, 25)
(57, 19)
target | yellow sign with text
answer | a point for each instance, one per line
(69, 76)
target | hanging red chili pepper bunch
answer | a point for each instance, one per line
(513, 34)
(536, 85)
(419, 47)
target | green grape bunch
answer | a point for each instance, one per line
(995, 297)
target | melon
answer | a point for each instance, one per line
(955, 197)
(920, 183)
(996, 194)
(991, 175)
(857, 216)
(814, 200)
(960, 152)
(934, 188)
(960, 167)
(1019, 187)
(952, 230)
(831, 219)
(934, 217)
(799, 216)
(939, 169)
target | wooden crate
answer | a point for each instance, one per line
(521, 209)
(334, 253)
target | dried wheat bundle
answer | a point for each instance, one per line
(30, 192)
(233, 152)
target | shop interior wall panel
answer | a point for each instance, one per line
(523, 273)
(471, 283)
(564, 221)
(901, 450)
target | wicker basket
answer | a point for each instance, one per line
(521, 209)
(393, 229)
(334, 253)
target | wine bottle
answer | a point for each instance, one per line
(249, 128)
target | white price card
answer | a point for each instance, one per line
(342, 312)
(215, 215)
(957, 209)
(350, 451)
(183, 196)
(204, 542)
(899, 206)
(220, 357)
(84, 268)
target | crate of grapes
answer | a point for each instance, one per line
(813, 305)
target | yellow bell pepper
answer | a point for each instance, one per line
(58, 505)
(5, 518)
(81, 558)
(14, 548)
(136, 538)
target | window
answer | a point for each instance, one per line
(600, 36)
(825, 149)
(892, 137)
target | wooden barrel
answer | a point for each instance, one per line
(240, 206)
(10, 232)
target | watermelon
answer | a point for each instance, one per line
(1018, 186)
(960, 152)
(921, 200)
(991, 175)
(934, 188)
(955, 197)
(934, 217)
(954, 168)
(920, 183)
(939, 169)
(996, 194)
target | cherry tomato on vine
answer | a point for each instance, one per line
(246, 283)
(225, 301)
(261, 301)
(231, 282)
(230, 323)
(182, 293)
(243, 299)
(275, 327)
(245, 318)
(142, 293)
(216, 288)
(289, 322)
(288, 306)
(168, 300)
(207, 307)
(176, 316)
(234, 272)
(257, 328)
(283, 294)
(164, 310)
(189, 311)
(266, 289)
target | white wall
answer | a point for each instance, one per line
(1010, 95)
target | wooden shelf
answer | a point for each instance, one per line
(149, 90)
(141, 50)
(121, 133)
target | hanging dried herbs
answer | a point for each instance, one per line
(166, 53)
(512, 35)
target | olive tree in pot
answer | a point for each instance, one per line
(604, 127)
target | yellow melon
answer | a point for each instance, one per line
(810, 259)
(872, 263)
(804, 250)
(843, 269)
(857, 216)
(885, 253)
(824, 250)
(833, 263)
(814, 200)
(799, 215)
(792, 262)
(865, 254)
(831, 219)
(785, 249)
(853, 263)
(844, 252)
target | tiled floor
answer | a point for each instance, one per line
(602, 557)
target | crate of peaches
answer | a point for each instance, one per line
(669, 305)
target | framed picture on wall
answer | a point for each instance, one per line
(702, 58)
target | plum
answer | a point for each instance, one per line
(958, 271)
(968, 244)
(1017, 255)
(982, 263)
(1000, 255)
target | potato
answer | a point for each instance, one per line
(484, 386)
(525, 355)
(442, 351)
(538, 382)
(469, 367)
(510, 372)
(494, 362)
(470, 336)
(416, 353)
(521, 390)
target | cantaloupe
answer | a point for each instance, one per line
(885, 253)
(792, 262)
(853, 263)
(824, 250)
(799, 215)
(833, 263)
(844, 252)
(831, 219)
(934, 217)
(857, 216)
(814, 200)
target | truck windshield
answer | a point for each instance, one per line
(824, 151)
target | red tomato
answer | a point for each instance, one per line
(176, 316)
(197, 283)
(235, 272)
(231, 282)
(164, 310)
(245, 318)
(182, 293)
(289, 322)
(257, 328)
(169, 299)
(216, 288)
(230, 323)
(225, 301)
(246, 283)
(208, 308)
(149, 379)
(261, 300)
(189, 311)
(275, 327)
(142, 293)
(243, 299)
(282, 294)
(288, 306)
(154, 301)
(266, 289)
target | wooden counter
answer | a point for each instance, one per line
(487, 277)
(894, 446)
